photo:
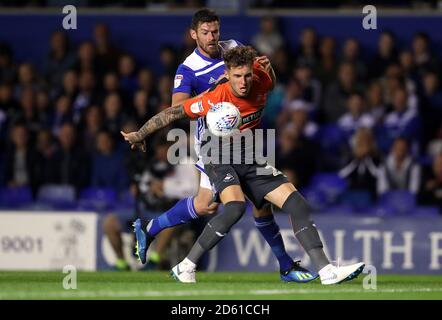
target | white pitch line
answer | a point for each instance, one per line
(122, 294)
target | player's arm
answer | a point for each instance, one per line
(157, 122)
(267, 66)
(179, 98)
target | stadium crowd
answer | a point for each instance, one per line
(372, 123)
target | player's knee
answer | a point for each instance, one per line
(233, 211)
(111, 224)
(201, 203)
(297, 206)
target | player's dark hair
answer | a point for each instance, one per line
(239, 56)
(203, 16)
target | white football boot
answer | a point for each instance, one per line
(331, 274)
(184, 271)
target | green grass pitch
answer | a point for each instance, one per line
(210, 286)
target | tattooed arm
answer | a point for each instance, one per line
(159, 121)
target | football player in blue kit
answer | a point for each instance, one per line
(200, 71)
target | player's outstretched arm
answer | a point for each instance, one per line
(159, 121)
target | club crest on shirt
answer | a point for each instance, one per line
(177, 81)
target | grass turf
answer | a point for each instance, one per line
(220, 285)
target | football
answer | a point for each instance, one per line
(223, 118)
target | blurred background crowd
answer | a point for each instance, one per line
(359, 126)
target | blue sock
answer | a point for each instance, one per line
(182, 212)
(270, 231)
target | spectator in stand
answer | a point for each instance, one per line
(9, 106)
(338, 92)
(423, 56)
(8, 70)
(27, 79)
(62, 114)
(108, 170)
(356, 117)
(296, 156)
(128, 76)
(92, 125)
(70, 85)
(69, 164)
(59, 60)
(431, 192)
(399, 171)
(269, 39)
(87, 60)
(386, 54)
(307, 53)
(142, 108)
(431, 106)
(351, 54)
(375, 102)
(114, 116)
(46, 148)
(107, 54)
(327, 66)
(86, 96)
(28, 111)
(311, 87)
(44, 109)
(22, 163)
(169, 61)
(361, 172)
(402, 121)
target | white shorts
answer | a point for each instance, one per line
(204, 178)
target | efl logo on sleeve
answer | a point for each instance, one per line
(197, 107)
(177, 81)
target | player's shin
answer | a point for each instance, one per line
(304, 228)
(216, 229)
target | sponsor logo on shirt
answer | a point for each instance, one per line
(177, 81)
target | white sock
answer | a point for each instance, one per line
(189, 263)
(325, 269)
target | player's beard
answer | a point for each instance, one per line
(213, 52)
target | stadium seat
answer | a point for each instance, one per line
(359, 200)
(426, 211)
(331, 137)
(398, 201)
(16, 197)
(99, 199)
(316, 198)
(330, 184)
(127, 200)
(57, 196)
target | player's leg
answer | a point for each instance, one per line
(290, 271)
(112, 229)
(286, 197)
(182, 212)
(227, 182)
(269, 229)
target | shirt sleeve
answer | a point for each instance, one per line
(183, 80)
(264, 78)
(198, 106)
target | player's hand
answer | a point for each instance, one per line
(264, 62)
(135, 141)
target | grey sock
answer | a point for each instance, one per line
(318, 257)
(195, 253)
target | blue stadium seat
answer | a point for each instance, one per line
(426, 211)
(398, 201)
(316, 198)
(127, 200)
(330, 184)
(358, 200)
(14, 198)
(98, 199)
(331, 137)
(57, 196)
